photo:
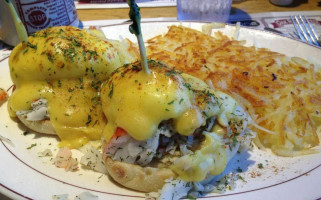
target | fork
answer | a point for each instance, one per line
(305, 30)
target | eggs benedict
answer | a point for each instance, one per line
(167, 124)
(57, 75)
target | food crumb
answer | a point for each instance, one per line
(255, 174)
(60, 197)
(31, 146)
(4, 139)
(64, 160)
(45, 153)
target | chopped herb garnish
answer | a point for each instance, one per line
(33, 46)
(110, 94)
(31, 146)
(89, 120)
(234, 140)
(188, 86)
(205, 114)
(241, 178)
(191, 197)
(181, 100)
(95, 123)
(134, 67)
(172, 72)
(60, 31)
(50, 57)
(239, 169)
(92, 54)
(260, 166)
(169, 103)
(25, 51)
(70, 53)
(75, 42)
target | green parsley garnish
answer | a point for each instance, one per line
(239, 169)
(169, 103)
(75, 42)
(188, 86)
(234, 140)
(31, 146)
(89, 120)
(110, 94)
(50, 57)
(181, 100)
(172, 72)
(260, 166)
(33, 46)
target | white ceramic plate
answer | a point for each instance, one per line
(24, 175)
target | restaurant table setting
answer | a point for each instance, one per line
(279, 21)
(289, 27)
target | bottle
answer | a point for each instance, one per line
(37, 15)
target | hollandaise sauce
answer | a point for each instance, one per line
(138, 102)
(65, 66)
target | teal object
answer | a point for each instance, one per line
(135, 28)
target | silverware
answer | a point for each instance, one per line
(305, 30)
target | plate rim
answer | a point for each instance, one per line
(9, 190)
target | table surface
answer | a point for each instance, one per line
(241, 6)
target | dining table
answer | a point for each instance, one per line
(238, 7)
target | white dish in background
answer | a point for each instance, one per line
(24, 175)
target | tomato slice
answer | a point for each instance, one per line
(119, 133)
(3, 95)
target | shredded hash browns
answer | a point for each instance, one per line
(280, 93)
